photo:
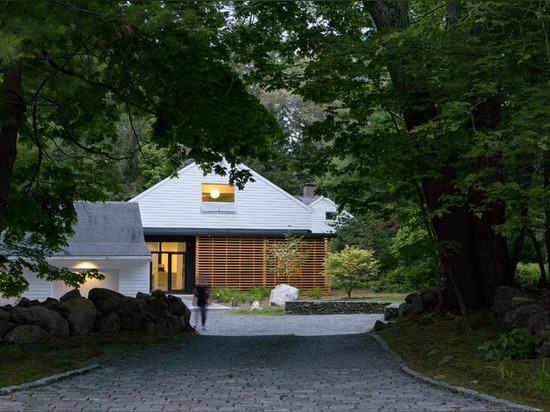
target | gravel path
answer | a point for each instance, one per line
(257, 363)
(224, 323)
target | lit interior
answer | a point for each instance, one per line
(218, 193)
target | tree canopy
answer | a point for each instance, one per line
(69, 70)
(439, 104)
(442, 102)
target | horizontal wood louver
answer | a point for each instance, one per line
(241, 263)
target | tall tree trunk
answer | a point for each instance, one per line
(11, 114)
(475, 258)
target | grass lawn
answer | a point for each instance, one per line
(438, 349)
(29, 362)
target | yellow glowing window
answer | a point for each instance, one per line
(218, 193)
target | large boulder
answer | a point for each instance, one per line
(520, 317)
(156, 308)
(56, 306)
(96, 294)
(27, 334)
(132, 312)
(391, 311)
(514, 308)
(414, 300)
(5, 327)
(175, 324)
(4, 314)
(109, 323)
(27, 303)
(72, 294)
(104, 311)
(283, 293)
(506, 297)
(81, 316)
(177, 307)
(47, 319)
(105, 300)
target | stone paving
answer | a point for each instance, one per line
(240, 364)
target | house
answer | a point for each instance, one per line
(199, 224)
(108, 237)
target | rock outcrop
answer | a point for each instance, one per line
(512, 308)
(104, 311)
(415, 304)
(283, 293)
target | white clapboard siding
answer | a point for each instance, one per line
(126, 276)
(39, 289)
(319, 222)
(176, 203)
(134, 277)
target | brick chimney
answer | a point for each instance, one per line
(309, 189)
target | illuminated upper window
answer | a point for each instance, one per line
(218, 198)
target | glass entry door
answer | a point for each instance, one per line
(176, 276)
(168, 266)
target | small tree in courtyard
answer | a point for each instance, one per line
(352, 268)
(286, 257)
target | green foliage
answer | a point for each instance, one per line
(404, 279)
(527, 275)
(543, 377)
(444, 106)
(285, 257)
(414, 258)
(515, 344)
(351, 268)
(315, 293)
(93, 91)
(366, 232)
(29, 257)
(292, 113)
(240, 296)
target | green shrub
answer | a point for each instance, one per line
(315, 293)
(352, 268)
(405, 279)
(527, 275)
(222, 295)
(240, 296)
(516, 344)
(259, 293)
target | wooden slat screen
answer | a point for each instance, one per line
(241, 263)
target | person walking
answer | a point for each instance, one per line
(202, 298)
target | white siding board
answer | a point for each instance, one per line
(110, 282)
(39, 289)
(134, 278)
(127, 276)
(176, 203)
(318, 221)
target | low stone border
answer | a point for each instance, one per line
(49, 379)
(314, 307)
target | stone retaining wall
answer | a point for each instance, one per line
(304, 307)
(104, 311)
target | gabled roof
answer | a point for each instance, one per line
(174, 207)
(107, 229)
(311, 201)
(190, 164)
(308, 200)
(258, 176)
